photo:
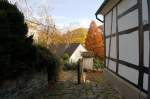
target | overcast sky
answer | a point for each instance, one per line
(66, 13)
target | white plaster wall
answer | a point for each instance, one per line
(146, 48)
(128, 21)
(125, 5)
(112, 65)
(114, 21)
(129, 48)
(77, 54)
(145, 11)
(113, 47)
(128, 73)
(107, 46)
(108, 23)
(106, 62)
(88, 63)
(145, 81)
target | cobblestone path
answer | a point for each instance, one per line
(69, 89)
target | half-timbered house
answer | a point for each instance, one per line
(127, 45)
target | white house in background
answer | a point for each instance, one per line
(127, 45)
(74, 51)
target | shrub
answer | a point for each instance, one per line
(97, 63)
(67, 65)
(65, 58)
(16, 50)
(70, 66)
(17, 54)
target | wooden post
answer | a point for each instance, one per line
(79, 71)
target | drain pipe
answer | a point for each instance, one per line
(98, 18)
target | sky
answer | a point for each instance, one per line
(66, 14)
(75, 12)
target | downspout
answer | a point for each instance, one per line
(103, 38)
(98, 18)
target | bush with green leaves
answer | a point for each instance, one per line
(17, 53)
(51, 61)
(97, 63)
(67, 64)
(70, 66)
(65, 58)
(15, 47)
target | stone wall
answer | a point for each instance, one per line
(24, 87)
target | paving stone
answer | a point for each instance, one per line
(54, 93)
(76, 92)
(83, 97)
(92, 97)
(67, 91)
(71, 90)
(54, 97)
(83, 91)
(89, 92)
(99, 98)
(97, 88)
(66, 96)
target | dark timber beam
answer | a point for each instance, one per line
(128, 11)
(117, 41)
(104, 45)
(148, 2)
(128, 31)
(141, 45)
(130, 65)
(110, 37)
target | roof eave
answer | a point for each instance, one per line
(106, 6)
(101, 7)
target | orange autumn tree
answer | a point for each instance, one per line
(94, 41)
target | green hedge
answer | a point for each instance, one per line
(17, 53)
(50, 61)
(97, 63)
(70, 66)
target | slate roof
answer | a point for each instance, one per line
(71, 48)
(61, 49)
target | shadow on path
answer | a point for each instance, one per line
(69, 89)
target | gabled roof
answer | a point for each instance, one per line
(72, 47)
(59, 49)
